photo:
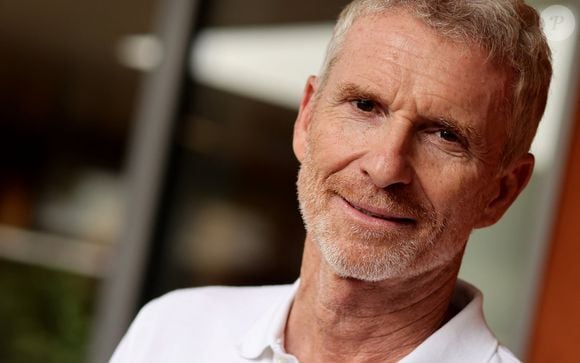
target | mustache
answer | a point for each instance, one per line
(397, 198)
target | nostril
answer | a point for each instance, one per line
(385, 170)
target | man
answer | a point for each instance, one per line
(416, 133)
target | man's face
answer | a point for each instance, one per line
(400, 152)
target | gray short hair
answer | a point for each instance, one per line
(508, 30)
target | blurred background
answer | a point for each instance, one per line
(145, 146)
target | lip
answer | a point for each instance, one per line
(375, 216)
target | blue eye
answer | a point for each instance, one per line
(365, 105)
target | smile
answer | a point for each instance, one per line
(378, 214)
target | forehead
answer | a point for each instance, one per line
(393, 51)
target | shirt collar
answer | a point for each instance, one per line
(269, 328)
(466, 337)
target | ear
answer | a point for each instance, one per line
(303, 119)
(510, 184)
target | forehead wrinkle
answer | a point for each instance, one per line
(431, 71)
(398, 47)
(406, 41)
(448, 109)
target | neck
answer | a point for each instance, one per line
(341, 319)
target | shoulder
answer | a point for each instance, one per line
(220, 299)
(189, 322)
(211, 307)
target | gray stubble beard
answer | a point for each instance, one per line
(372, 262)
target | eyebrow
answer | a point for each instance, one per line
(346, 90)
(472, 135)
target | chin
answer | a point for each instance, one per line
(370, 262)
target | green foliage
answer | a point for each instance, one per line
(44, 314)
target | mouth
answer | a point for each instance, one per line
(379, 214)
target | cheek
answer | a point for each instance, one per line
(455, 189)
(334, 144)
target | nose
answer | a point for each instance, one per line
(388, 157)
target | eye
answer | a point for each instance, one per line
(365, 105)
(446, 138)
(449, 136)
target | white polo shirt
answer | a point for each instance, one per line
(246, 324)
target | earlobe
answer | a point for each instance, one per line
(303, 119)
(510, 184)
